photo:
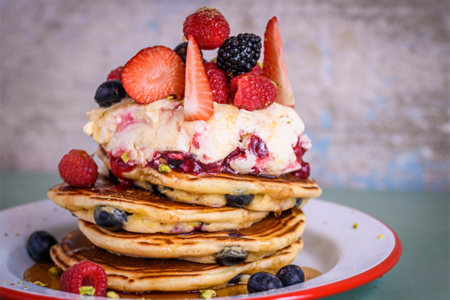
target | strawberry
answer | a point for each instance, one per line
(154, 73)
(274, 66)
(198, 99)
(115, 74)
(218, 81)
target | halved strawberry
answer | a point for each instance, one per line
(154, 73)
(274, 66)
(198, 98)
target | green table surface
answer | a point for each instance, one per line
(420, 219)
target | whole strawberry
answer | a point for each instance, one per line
(78, 169)
(85, 273)
(253, 91)
(218, 80)
(208, 26)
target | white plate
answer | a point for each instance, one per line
(348, 257)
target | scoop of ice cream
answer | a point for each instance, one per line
(265, 136)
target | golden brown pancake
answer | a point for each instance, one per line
(285, 186)
(149, 213)
(132, 274)
(260, 240)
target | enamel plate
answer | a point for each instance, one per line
(347, 257)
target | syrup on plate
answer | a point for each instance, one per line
(40, 272)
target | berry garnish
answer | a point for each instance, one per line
(218, 80)
(290, 275)
(304, 171)
(84, 274)
(109, 92)
(78, 169)
(181, 50)
(274, 66)
(153, 74)
(239, 54)
(198, 101)
(263, 281)
(208, 26)
(115, 74)
(256, 69)
(253, 92)
(39, 244)
(109, 217)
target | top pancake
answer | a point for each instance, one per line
(148, 213)
(285, 186)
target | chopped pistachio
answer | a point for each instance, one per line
(38, 283)
(276, 85)
(103, 114)
(4, 282)
(87, 290)
(193, 224)
(25, 286)
(125, 157)
(163, 168)
(170, 97)
(355, 225)
(112, 294)
(208, 294)
(19, 282)
(381, 236)
(55, 271)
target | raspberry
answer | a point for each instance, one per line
(252, 92)
(256, 70)
(85, 273)
(208, 26)
(115, 74)
(218, 80)
(78, 169)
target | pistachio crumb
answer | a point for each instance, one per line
(39, 283)
(112, 294)
(163, 168)
(125, 157)
(381, 236)
(355, 225)
(25, 286)
(55, 271)
(19, 282)
(4, 282)
(208, 294)
(87, 290)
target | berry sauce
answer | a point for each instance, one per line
(118, 166)
(304, 171)
(123, 186)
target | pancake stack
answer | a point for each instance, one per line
(155, 237)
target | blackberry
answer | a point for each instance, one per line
(239, 54)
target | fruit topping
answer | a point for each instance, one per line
(208, 26)
(84, 274)
(78, 169)
(218, 81)
(274, 66)
(181, 50)
(263, 281)
(257, 69)
(304, 171)
(231, 256)
(298, 202)
(39, 244)
(258, 147)
(198, 101)
(235, 280)
(118, 166)
(109, 217)
(115, 74)
(109, 92)
(290, 275)
(253, 92)
(154, 73)
(239, 54)
(238, 200)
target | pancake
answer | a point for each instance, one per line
(259, 202)
(260, 240)
(145, 212)
(285, 186)
(132, 274)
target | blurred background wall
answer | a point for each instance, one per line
(371, 79)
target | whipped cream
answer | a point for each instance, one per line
(140, 130)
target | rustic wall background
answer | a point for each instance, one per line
(371, 78)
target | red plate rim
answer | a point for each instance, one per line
(306, 294)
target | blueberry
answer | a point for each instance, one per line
(109, 217)
(39, 244)
(291, 275)
(299, 202)
(181, 50)
(239, 200)
(235, 280)
(109, 92)
(231, 256)
(263, 281)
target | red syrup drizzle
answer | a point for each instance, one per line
(118, 167)
(304, 171)
(123, 186)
